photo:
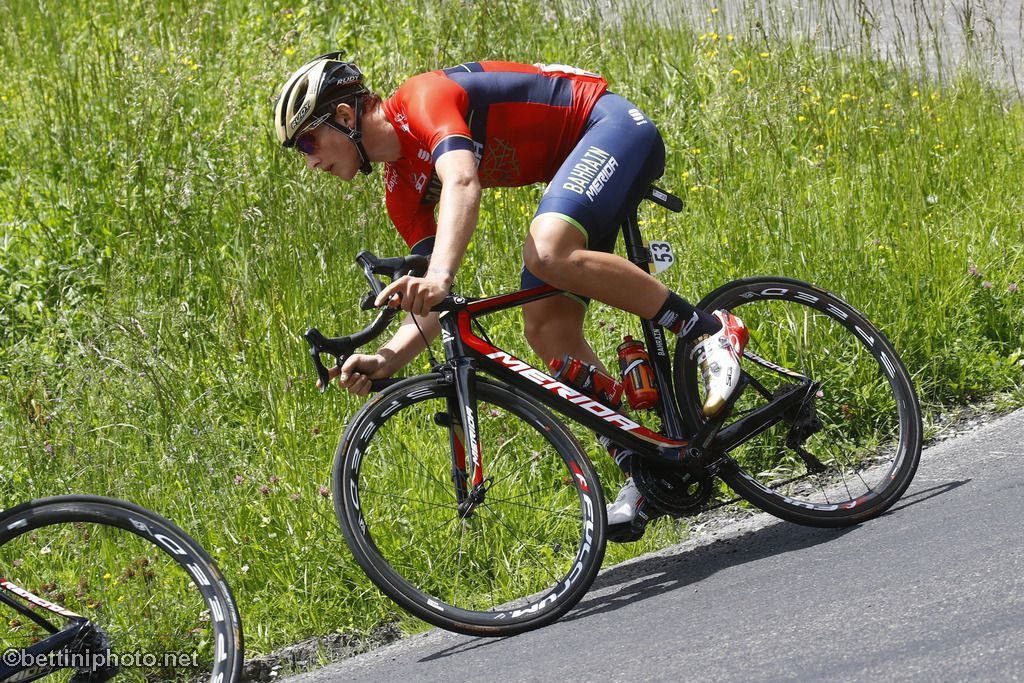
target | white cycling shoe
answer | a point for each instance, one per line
(718, 356)
(628, 515)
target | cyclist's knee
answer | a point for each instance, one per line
(550, 247)
(542, 263)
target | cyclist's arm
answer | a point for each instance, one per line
(458, 210)
(457, 213)
(359, 370)
(408, 342)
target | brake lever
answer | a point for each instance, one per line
(339, 347)
(343, 347)
(393, 268)
(369, 302)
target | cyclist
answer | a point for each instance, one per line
(446, 134)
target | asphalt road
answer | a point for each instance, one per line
(932, 591)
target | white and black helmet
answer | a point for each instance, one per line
(311, 95)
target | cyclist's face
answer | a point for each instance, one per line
(330, 151)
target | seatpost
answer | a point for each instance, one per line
(635, 249)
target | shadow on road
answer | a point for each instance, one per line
(655, 575)
(925, 494)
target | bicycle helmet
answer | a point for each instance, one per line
(312, 93)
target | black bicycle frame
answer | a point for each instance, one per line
(468, 354)
(680, 446)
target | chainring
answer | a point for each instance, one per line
(673, 491)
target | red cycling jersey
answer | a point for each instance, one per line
(520, 121)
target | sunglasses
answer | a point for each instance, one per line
(306, 143)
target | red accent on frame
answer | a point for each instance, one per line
(483, 306)
(485, 349)
(460, 448)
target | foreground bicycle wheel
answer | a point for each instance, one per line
(848, 454)
(154, 592)
(521, 559)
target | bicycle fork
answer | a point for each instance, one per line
(463, 433)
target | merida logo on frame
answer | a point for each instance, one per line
(551, 384)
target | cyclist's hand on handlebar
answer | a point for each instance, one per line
(415, 294)
(357, 371)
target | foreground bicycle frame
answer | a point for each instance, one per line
(469, 354)
(689, 453)
(61, 642)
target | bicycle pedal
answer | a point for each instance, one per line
(627, 532)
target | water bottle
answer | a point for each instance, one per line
(637, 375)
(587, 379)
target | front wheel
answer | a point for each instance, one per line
(850, 450)
(512, 553)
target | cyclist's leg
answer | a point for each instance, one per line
(574, 231)
(605, 176)
(557, 253)
(554, 328)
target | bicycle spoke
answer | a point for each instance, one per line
(407, 499)
(523, 546)
(847, 451)
(513, 537)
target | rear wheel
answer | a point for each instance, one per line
(848, 453)
(514, 558)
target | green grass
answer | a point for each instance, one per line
(161, 256)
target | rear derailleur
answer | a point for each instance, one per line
(803, 423)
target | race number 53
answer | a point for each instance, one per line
(661, 256)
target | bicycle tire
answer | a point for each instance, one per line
(869, 441)
(527, 554)
(117, 564)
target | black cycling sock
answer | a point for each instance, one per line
(621, 456)
(689, 323)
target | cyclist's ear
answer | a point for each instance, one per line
(345, 115)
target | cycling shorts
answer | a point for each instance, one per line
(607, 174)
